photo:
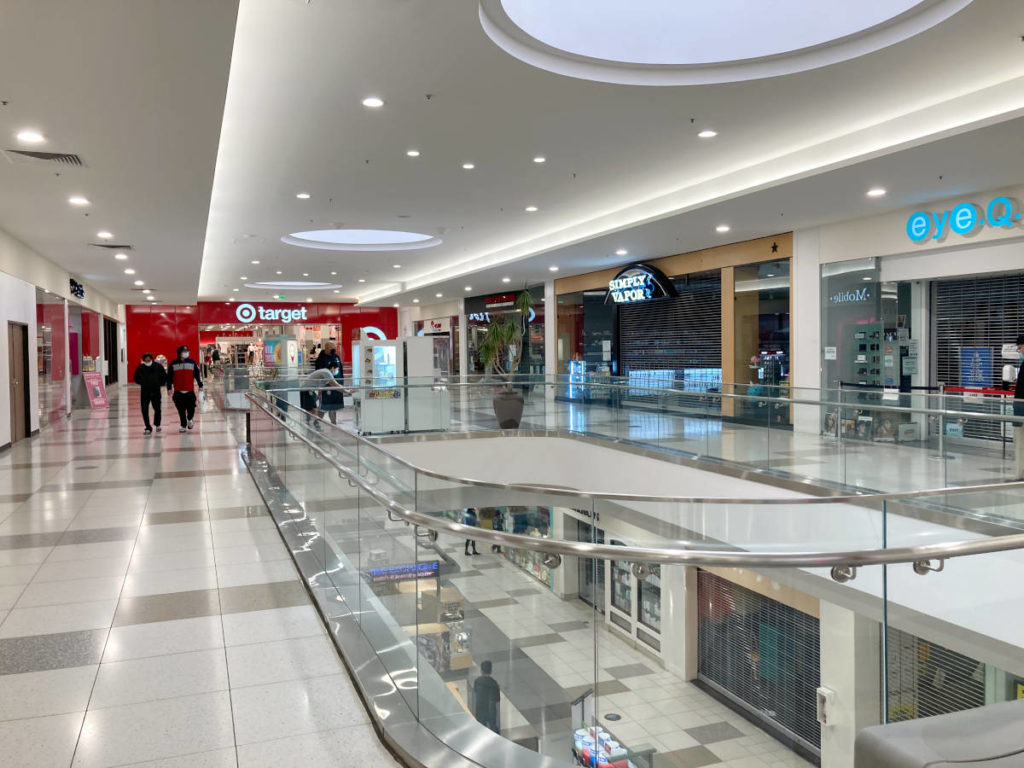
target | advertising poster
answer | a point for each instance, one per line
(96, 389)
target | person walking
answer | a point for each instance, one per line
(498, 525)
(151, 378)
(333, 400)
(328, 355)
(469, 517)
(1018, 410)
(183, 375)
(486, 697)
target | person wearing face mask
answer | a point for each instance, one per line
(1018, 410)
(183, 375)
(151, 377)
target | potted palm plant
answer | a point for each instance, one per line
(501, 351)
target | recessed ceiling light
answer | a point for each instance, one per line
(395, 304)
(151, 297)
(506, 279)
(866, 279)
(334, 273)
(707, 133)
(770, 274)
(146, 290)
(722, 228)
(139, 282)
(876, 192)
(129, 271)
(235, 290)
(396, 266)
(121, 256)
(468, 166)
(415, 301)
(468, 288)
(255, 261)
(336, 290)
(439, 295)
(540, 159)
(531, 208)
(30, 136)
(552, 269)
(621, 252)
(361, 280)
(412, 152)
(305, 274)
(373, 102)
(78, 200)
(243, 278)
(309, 299)
(279, 272)
(104, 235)
(303, 195)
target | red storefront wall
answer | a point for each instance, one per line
(160, 330)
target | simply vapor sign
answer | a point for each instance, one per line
(639, 282)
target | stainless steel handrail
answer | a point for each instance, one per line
(858, 498)
(666, 556)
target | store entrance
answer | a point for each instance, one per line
(17, 337)
(591, 570)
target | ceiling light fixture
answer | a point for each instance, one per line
(235, 290)
(866, 279)
(373, 102)
(415, 301)
(361, 280)
(146, 290)
(361, 240)
(876, 192)
(121, 256)
(540, 159)
(707, 133)
(336, 290)
(439, 295)
(506, 279)
(334, 273)
(139, 282)
(552, 269)
(621, 252)
(468, 288)
(243, 278)
(309, 299)
(255, 261)
(531, 209)
(303, 195)
(104, 235)
(78, 200)
(468, 166)
(396, 266)
(30, 136)
(129, 271)
(279, 272)
(412, 152)
(151, 298)
(722, 228)
(305, 274)
(395, 304)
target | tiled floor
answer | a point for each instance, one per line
(149, 613)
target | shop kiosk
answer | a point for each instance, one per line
(401, 385)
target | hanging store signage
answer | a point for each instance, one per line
(640, 282)
(405, 572)
(963, 219)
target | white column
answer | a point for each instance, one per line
(566, 581)
(805, 328)
(851, 667)
(679, 619)
(463, 340)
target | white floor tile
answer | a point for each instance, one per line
(155, 730)
(164, 582)
(65, 570)
(359, 744)
(49, 619)
(146, 562)
(52, 692)
(40, 742)
(255, 573)
(71, 591)
(272, 625)
(251, 553)
(263, 663)
(159, 677)
(218, 758)
(159, 638)
(295, 707)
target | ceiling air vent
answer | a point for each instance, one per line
(112, 247)
(29, 157)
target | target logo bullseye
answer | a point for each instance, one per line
(245, 313)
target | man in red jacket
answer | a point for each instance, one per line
(183, 375)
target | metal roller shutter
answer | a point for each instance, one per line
(925, 679)
(976, 312)
(762, 654)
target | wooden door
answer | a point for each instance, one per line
(17, 338)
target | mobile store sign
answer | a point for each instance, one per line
(640, 282)
(963, 219)
(248, 313)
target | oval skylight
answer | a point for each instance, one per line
(291, 284)
(672, 42)
(361, 240)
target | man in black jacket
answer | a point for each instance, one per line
(328, 355)
(151, 377)
(183, 375)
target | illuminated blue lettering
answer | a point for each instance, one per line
(964, 218)
(918, 227)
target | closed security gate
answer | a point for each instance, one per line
(981, 313)
(762, 655)
(926, 679)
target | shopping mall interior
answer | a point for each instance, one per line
(489, 383)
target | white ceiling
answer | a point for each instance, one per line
(616, 155)
(137, 89)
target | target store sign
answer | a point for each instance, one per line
(251, 313)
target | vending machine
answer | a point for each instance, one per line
(400, 386)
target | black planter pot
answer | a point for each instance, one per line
(508, 408)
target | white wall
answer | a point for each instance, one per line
(805, 325)
(18, 305)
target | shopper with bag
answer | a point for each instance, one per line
(183, 375)
(469, 517)
(151, 377)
